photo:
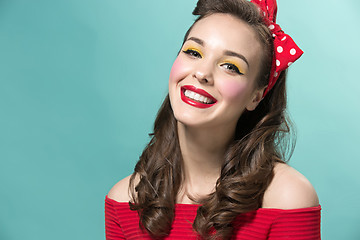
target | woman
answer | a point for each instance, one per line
(214, 167)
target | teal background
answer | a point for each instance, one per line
(81, 82)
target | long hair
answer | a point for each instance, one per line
(248, 164)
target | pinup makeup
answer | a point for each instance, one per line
(196, 97)
(193, 51)
(210, 83)
(233, 66)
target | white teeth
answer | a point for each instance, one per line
(197, 97)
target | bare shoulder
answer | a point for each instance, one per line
(289, 189)
(120, 191)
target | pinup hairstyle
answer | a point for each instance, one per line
(249, 160)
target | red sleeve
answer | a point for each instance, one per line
(297, 224)
(113, 229)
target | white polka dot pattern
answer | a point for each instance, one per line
(285, 49)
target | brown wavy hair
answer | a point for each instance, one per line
(249, 160)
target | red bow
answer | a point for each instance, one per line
(285, 49)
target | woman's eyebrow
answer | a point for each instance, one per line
(234, 54)
(197, 40)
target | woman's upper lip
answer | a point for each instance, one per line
(199, 91)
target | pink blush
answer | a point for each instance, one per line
(233, 89)
(175, 69)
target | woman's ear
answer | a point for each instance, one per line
(256, 99)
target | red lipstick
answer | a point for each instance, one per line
(193, 102)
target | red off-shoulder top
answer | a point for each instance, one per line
(263, 223)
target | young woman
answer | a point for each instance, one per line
(214, 167)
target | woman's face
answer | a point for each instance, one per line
(212, 80)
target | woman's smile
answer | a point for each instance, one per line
(196, 97)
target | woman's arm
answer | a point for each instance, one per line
(119, 193)
(297, 224)
(113, 229)
(291, 191)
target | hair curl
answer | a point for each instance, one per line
(248, 163)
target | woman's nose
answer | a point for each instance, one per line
(203, 75)
(200, 76)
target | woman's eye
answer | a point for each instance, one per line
(232, 68)
(192, 53)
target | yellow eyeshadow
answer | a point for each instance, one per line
(193, 49)
(237, 65)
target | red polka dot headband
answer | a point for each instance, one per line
(285, 49)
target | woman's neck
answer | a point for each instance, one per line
(203, 152)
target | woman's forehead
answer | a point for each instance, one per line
(224, 31)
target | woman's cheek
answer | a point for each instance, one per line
(233, 89)
(176, 70)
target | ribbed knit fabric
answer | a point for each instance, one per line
(264, 223)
